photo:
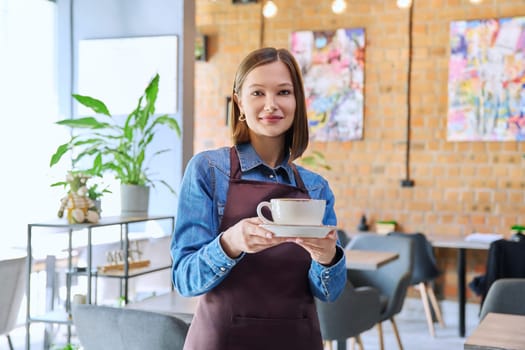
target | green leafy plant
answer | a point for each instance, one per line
(75, 180)
(120, 149)
(315, 160)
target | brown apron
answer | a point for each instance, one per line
(265, 303)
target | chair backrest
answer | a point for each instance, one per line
(505, 296)
(506, 259)
(391, 279)
(13, 277)
(425, 266)
(343, 238)
(104, 327)
(353, 312)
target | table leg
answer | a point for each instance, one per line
(461, 290)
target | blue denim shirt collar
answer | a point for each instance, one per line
(249, 160)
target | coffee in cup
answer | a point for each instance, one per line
(293, 211)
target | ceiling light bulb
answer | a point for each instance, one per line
(404, 3)
(338, 6)
(269, 9)
(476, 1)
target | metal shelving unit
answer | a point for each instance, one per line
(64, 317)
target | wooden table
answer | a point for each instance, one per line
(367, 259)
(459, 243)
(498, 331)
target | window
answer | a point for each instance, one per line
(28, 137)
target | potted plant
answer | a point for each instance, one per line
(80, 207)
(119, 148)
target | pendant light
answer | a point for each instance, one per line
(338, 6)
(269, 9)
(404, 3)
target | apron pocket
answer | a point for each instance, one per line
(275, 334)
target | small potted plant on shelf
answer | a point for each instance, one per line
(119, 148)
(79, 206)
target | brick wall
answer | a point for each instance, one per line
(460, 187)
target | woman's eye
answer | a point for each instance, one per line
(257, 93)
(285, 92)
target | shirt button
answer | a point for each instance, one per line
(222, 268)
(271, 176)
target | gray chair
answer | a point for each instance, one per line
(104, 327)
(343, 238)
(391, 280)
(12, 275)
(355, 311)
(505, 296)
(424, 272)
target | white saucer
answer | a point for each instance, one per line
(298, 230)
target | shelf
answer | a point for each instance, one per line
(120, 274)
(55, 316)
(71, 259)
(104, 221)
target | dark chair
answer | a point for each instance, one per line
(391, 280)
(424, 272)
(505, 296)
(355, 311)
(104, 327)
(506, 259)
(343, 238)
(13, 277)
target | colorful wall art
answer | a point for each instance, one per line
(486, 85)
(333, 66)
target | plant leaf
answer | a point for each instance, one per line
(95, 105)
(85, 123)
(61, 150)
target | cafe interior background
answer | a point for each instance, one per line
(406, 163)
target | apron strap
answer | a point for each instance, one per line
(235, 170)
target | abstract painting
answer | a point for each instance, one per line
(486, 82)
(333, 65)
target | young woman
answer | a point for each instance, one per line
(258, 289)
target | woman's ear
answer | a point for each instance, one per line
(237, 100)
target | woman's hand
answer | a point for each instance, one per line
(247, 236)
(322, 250)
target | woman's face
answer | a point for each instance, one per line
(267, 100)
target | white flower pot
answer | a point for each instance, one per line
(134, 200)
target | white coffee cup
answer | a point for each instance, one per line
(294, 211)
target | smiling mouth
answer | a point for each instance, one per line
(271, 117)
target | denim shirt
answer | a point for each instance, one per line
(199, 262)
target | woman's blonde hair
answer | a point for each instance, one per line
(297, 136)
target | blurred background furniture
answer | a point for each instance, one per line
(355, 311)
(461, 245)
(505, 296)
(391, 280)
(423, 274)
(506, 259)
(123, 228)
(104, 327)
(498, 331)
(343, 237)
(12, 291)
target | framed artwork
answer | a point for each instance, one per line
(115, 70)
(201, 47)
(333, 65)
(486, 80)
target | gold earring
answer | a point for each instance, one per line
(242, 117)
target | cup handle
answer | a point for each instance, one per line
(260, 214)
